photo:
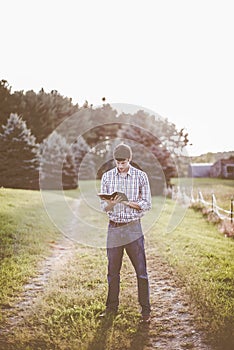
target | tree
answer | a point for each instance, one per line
(160, 142)
(57, 164)
(5, 102)
(104, 117)
(156, 145)
(19, 159)
(42, 111)
(84, 159)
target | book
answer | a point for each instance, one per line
(112, 196)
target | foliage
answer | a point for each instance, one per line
(57, 163)
(156, 143)
(227, 228)
(161, 146)
(211, 157)
(106, 128)
(42, 111)
(5, 102)
(19, 155)
(83, 159)
(45, 112)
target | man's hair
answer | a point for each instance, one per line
(122, 152)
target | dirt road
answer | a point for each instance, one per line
(172, 326)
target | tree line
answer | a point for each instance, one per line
(31, 139)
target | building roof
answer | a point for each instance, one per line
(201, 164)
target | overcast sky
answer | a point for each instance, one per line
(174, 57)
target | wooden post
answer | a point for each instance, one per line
(232, 210)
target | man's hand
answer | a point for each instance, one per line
(131, 205)
(117, 199)
(112, 202)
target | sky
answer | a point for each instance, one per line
(174, 57)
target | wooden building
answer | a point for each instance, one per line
(223, 168)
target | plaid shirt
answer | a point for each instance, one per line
(135, 185)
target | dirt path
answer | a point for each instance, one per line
(172, 325)
(61, 252)
(171, 312)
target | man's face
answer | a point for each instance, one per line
(122, 165)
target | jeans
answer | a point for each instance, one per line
(136, 253)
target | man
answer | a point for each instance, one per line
(124, 229)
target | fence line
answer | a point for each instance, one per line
(214, 207)
(180, 194)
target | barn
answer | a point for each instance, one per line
(199, 169)
(223, 168)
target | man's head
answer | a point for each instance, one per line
(122, 155)
(122, 152)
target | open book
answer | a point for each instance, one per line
(112, 196)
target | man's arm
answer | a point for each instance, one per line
(145, 201)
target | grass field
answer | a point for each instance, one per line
(66, 316)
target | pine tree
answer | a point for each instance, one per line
(5, 102)
(44, 111)
(84, 160)
(19, 160)
(57, 163)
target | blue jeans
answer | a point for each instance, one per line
(136, 253)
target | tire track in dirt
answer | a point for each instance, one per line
(61, 252)
(172, 326)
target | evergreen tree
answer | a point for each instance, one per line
(43, 111)
(84, 159)
(5, 102)
(104, 117)
(57, 163)
(19, 155)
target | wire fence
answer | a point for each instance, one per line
(223, 214)
(184, 198)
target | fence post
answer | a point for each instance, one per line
(212, 202)
(200, 197)
(232, 210)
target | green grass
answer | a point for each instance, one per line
(25, 234)
(203, 260)
(66, 316)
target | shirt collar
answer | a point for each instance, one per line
(128, 173)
